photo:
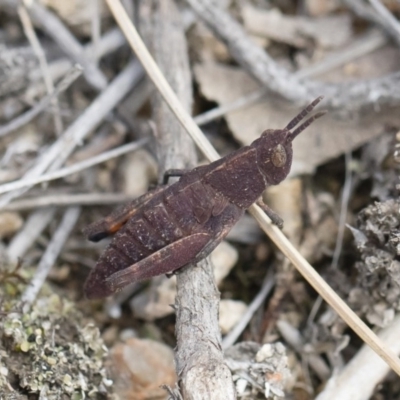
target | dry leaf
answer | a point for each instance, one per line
(322, 141)
(328, 32)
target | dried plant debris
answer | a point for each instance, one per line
(48, 349)
(377, 236)
(329, 32)
(258, 371)
(328, 140)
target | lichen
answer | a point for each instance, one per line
(49, 348)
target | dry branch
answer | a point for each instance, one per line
(350, 96)
(199, 360)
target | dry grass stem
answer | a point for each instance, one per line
(273, 232)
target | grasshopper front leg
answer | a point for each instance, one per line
(275, 218)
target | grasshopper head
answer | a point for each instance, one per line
(274, 147)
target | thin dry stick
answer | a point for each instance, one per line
(96, 26)
(74, 168)
(33, 227)
(55, 28)
(272, 231)
(60, 150)
(109, 42)
(386, 15)
(56, 243)
(362, 9)
(23, 119)
(233, 335)
(344, 205)
(34, 41)
(60, 200)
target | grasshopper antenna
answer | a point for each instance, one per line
(304, 125)
(305, 112)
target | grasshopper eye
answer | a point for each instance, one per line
(278, 156)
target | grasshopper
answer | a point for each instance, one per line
(182, 223)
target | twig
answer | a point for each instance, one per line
(266, 288)
(386, 23)
(23, 119)
(62, 200)
(96, 26)
(341, 228)
(344, 204)
(349, 96)
(109, 42)
(59, 151)
(359, 378)
(34, 41)
(199, 360)
(60, 236)
(55, 28)
(390, 20)
(272, 231)
(23, 240)
(74, 168)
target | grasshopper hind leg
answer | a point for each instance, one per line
(164, 261)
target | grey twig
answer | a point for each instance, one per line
(62, 200)
(349, 96)
(377, 14)
(74, 168)
(23, 119)
(344, 205)
(391, 21)
(233, 335)
(59, 151)
(33, 227)
(44, 67)
(60, 236)
(53, 26)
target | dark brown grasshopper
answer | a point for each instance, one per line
(180, 224)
